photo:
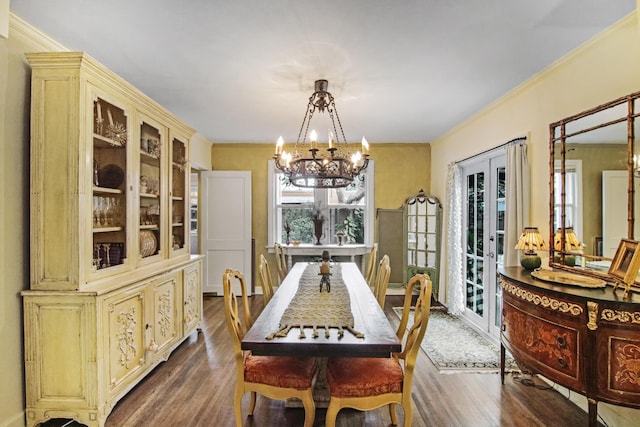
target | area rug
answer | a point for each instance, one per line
(455, 347)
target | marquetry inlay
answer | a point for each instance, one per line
(620, 316)
(125, 336)
(627, 366)
(542, 300)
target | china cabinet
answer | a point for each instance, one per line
(113, 288)
(422, 217)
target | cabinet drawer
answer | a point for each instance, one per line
(544, 346)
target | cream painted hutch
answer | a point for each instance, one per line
(114, 288)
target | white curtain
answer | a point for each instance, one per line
(518, 199)
(455, 253)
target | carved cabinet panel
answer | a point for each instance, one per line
(126, 326)
(192, 296)
(164, 329)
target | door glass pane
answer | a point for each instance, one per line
(475, 237)
(109, 185)
(150, 190)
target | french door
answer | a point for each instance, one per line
(484, 217)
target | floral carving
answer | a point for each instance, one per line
(125, 336)
(164, 313)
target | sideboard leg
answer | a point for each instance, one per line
(502, 358)
(593, 412)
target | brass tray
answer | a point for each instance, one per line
(564, 278)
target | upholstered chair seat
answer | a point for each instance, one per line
(352, 377)
(283, 372)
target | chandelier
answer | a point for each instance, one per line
(308, 165)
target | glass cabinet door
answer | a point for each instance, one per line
(422, 241)
(179, 196)
(150, 190)
(109, 149)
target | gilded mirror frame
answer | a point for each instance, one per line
(619, 112)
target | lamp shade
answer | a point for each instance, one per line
(531, 240)
(571, 242)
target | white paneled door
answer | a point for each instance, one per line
(226, 226)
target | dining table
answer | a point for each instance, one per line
(304, 319)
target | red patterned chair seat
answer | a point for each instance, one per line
(362, 377)
(285, 372)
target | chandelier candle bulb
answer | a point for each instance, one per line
(279, 146)
(365, 146)
(314, 140)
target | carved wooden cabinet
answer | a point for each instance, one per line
(114, 288)
(587, 340)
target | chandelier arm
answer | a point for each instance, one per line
(306, 113)
(310, 110)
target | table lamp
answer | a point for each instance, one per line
(571, 243)
(531, 241)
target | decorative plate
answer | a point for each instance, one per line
(110, 176)
(564, 278)
(148, 243)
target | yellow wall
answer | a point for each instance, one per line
(14, 239)
(400, 171)
(605, 68)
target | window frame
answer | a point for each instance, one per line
(274, 225)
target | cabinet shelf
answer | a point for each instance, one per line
(105, 190)
(107, 229)
(149, 159)
(149, 227)
(100, 141)
(149, 196)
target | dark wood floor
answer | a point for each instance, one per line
(195, 388)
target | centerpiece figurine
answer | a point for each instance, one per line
(318, 221)
(325, 271)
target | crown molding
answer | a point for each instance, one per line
(21, 29)
(631, 18)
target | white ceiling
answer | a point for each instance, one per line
(400, 71)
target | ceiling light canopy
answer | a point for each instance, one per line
(314, 165)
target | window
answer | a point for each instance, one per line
(348, 210)
(572, 197)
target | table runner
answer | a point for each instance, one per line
(310, 308)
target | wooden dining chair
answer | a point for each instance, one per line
(281, 261)
(274, 377)
(382, 280)
(265, 279)
(369, 383)
(372, 260)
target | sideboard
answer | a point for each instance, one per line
(585, 339)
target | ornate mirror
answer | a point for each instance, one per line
(594, 174)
